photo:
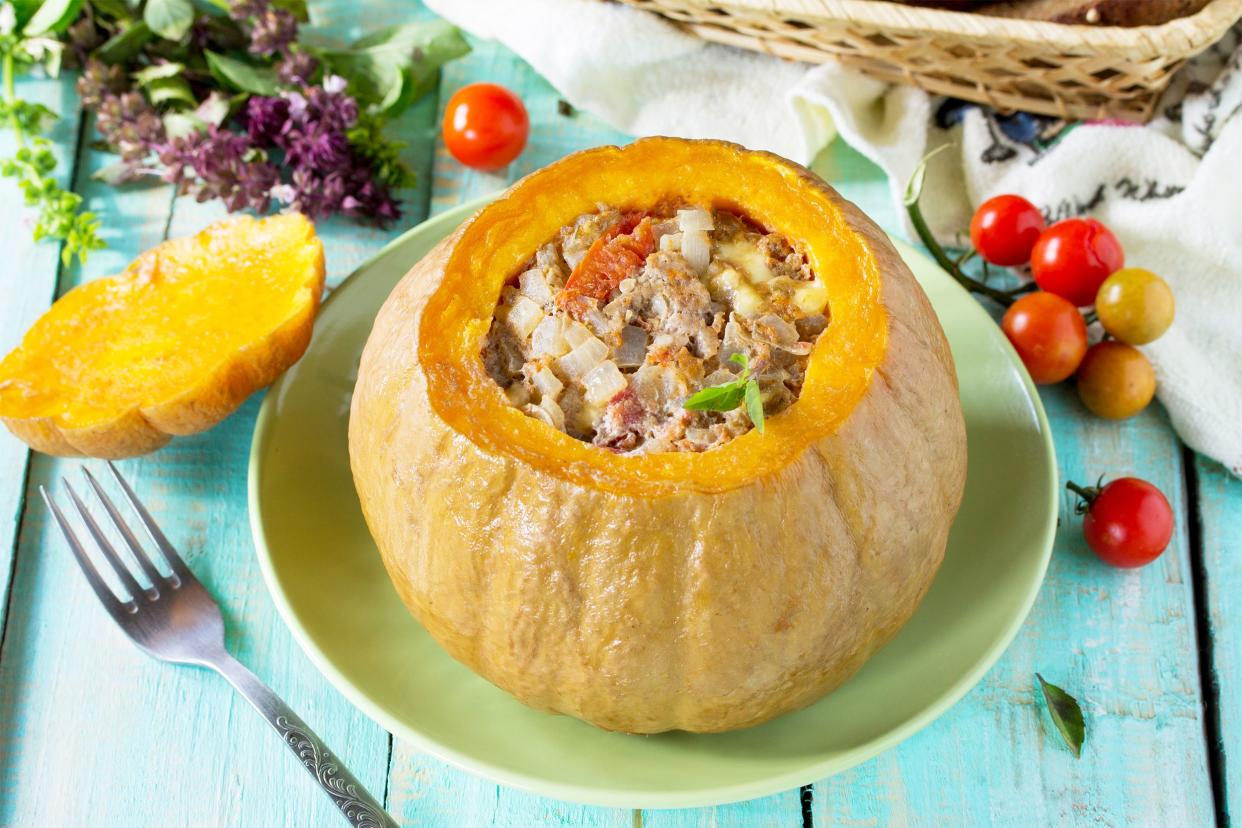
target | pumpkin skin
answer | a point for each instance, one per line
(701, 592)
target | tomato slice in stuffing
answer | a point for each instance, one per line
(621, 250)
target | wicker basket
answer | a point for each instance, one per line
(1049, 68)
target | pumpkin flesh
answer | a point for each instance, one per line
(169, 346)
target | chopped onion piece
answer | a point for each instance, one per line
(603, 382)
(575, 364)
(548, 339)
(776, 330)
(554, 412)
(670, 243)
(549, 413)
(547, 383)
(596, 321)
(633, 350)
(535, 286)
(524, 316)
(696, 248)
(576, 333)
(694, 219)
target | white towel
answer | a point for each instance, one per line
(1171, 191)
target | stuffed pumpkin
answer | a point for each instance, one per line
(666, 437)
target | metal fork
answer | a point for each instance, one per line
(175, 619)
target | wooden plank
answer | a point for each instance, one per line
(423, 790)
(1220, 536)
(215, 761)
(1123, 642)
(27, 286)
(783, 810)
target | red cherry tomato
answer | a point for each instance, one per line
(1073, 258)
(1005, 228)
(1128, 522)
(485, 126)
(1049, 335)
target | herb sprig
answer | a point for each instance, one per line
(221, 98)
(729, 395)
(27, 40)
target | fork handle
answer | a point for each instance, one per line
(358, 807)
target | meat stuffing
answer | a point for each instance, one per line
(624, 315)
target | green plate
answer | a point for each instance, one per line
(327, 580)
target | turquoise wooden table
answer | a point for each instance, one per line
(93, 733)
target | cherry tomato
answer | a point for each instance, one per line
(1005, 228)
(1128, 521)
(1135, 305)
(1049, 335)
(485, 126)
(1115, 380)
(1073, 258)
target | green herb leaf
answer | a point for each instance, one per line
(1066, 715)
(215, 108)
(52, 16)
(729, 395)
(157, 71)
(170, 91)
(392, 68)
(182, 124)
(754, 404)
(170, 19)
(125, 44)
(115, 9)
(242, 76)
(23, 10)
(724, 397)
(297, 7)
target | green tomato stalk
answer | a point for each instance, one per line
(914, 189)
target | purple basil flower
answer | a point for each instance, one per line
(220, 164)
(297, 69)
(265, 118)
(273, 32)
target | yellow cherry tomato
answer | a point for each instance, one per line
(1115, 380)
(1135, 305)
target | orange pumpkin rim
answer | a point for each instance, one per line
(776, 193)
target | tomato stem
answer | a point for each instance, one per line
(1087, 495)
(1091, 316)
(951, 267)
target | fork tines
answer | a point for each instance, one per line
(115, 605)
